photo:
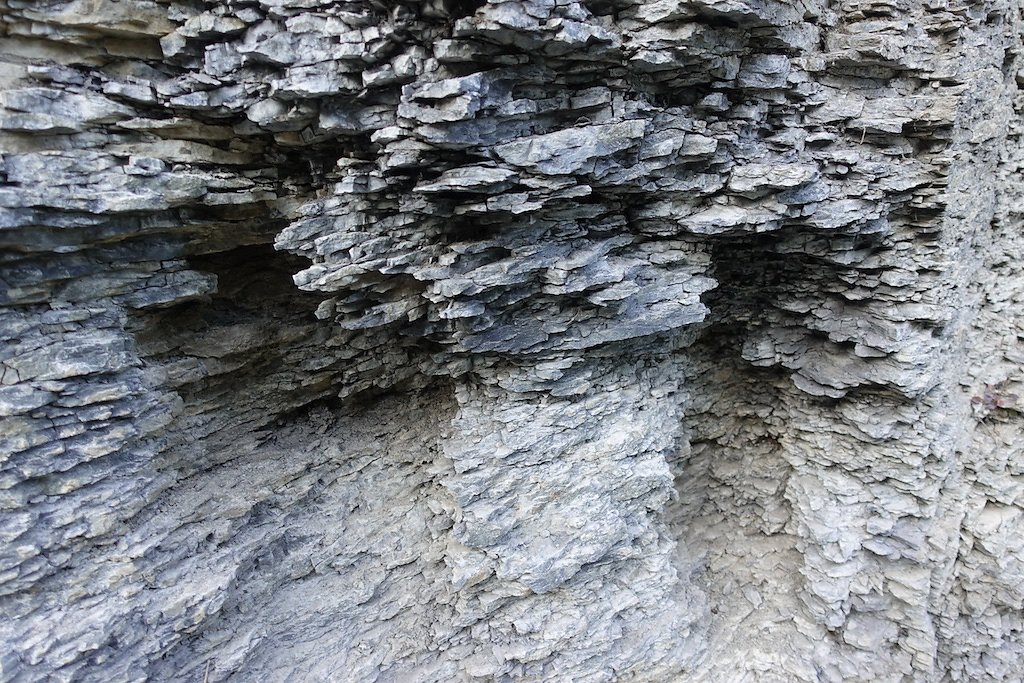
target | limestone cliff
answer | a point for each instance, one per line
(511, 340)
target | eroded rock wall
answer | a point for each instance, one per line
(510, 340)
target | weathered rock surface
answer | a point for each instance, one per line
(511, 340)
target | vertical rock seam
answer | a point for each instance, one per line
(511, 340)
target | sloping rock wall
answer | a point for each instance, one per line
(511, 340)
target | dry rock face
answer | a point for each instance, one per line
(511, 340)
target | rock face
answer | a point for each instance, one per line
(511, 340)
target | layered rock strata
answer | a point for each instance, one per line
(510, 340)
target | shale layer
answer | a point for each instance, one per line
(511, 340)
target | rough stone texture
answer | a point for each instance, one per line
(511, 340)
